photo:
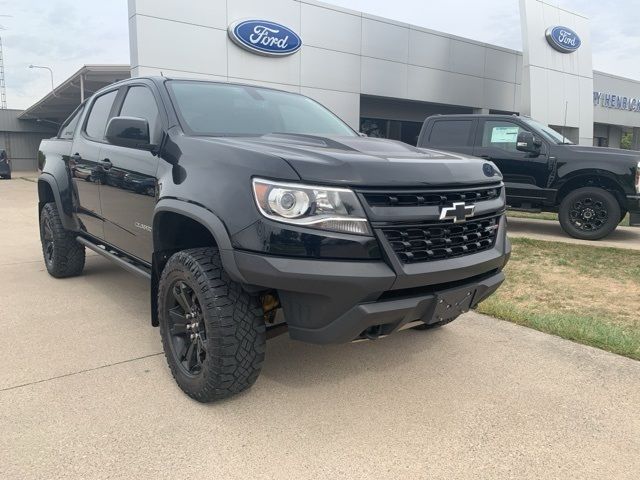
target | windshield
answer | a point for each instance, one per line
(219, 109)
(548, 132)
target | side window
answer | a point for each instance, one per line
(97, 122)
(69, 127)
(501, 134)
(140, 103)
(450, 133)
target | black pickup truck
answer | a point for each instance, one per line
(236, 201)
(591, 188)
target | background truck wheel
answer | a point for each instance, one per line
(589, 213)
(63, 255)
(213, 332)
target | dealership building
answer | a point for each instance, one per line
(381, 76)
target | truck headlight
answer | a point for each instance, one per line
(324, 208)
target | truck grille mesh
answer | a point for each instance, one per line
(430, 198)
(439, 241)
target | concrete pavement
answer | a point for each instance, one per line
(621, 237)
(85, 393)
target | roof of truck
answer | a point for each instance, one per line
(477, 115)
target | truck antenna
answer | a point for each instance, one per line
(566, 107)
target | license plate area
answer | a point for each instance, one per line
(451, 304)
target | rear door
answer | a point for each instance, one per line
(84, 162)
(525, 175)
(128, 201)
(452, 134)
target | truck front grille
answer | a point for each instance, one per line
(430, 197)
(439, 241)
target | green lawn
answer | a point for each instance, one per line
(586, 294)
(550, 216)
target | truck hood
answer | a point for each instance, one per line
(363, 161)
(616, 155)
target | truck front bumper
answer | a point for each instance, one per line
(327, 301)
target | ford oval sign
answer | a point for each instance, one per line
(264, 37)
(563, 39)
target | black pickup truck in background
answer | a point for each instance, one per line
(591, 188)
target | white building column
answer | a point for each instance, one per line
(557, 88)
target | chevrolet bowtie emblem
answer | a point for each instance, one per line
(458, 212)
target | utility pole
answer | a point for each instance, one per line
(3, 87)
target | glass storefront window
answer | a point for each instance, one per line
(405, 131)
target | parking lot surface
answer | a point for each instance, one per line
(85, 393)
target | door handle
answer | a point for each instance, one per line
(106, 164)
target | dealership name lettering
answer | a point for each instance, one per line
(610, 100)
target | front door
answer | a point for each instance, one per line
(85, 166)
(525, 175)
(129, 198)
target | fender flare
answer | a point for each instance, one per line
(580, 174)
(65, 215)
(211, 222)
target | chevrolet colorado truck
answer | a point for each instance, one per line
(238, 202)
(591, 188)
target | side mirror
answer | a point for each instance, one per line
(129, 132)
(528, 143)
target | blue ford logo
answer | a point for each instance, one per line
(264, 37)
(563, 39)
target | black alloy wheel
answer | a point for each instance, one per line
(589, 213)
(47, 241)
(187, 328)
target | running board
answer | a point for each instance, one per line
(130, 267)
(526, 210)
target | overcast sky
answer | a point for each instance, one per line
(66, 34)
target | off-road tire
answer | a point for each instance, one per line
(234, 329)
(63, 255)
(581, 200)
(431, 326)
